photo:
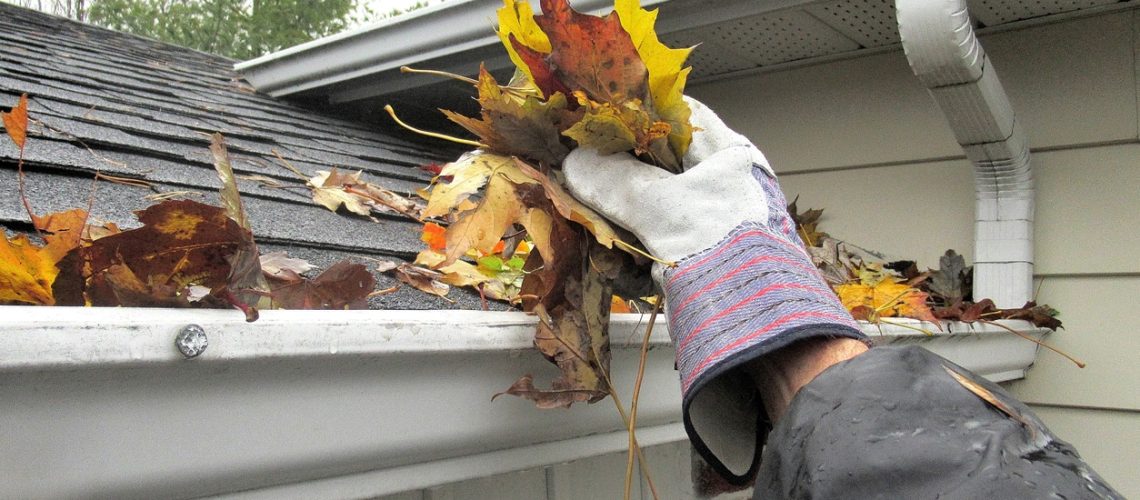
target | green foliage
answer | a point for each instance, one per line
(241, 29)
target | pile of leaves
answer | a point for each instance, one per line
(581, 80)
(873, 289)
(185, 254)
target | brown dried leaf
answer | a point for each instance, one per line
(280, 265)
(526, 127)
(425, 280)
(344, 285)
(560, 394)
(592, 53)
(181, 242)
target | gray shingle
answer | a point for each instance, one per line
(136, 108)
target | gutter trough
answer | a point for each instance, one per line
(100, 402)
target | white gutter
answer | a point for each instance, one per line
(455, 36)
(947, 58)
(99, 402)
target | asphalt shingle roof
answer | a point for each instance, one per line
(141, 109)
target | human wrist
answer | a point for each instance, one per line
(780, 375)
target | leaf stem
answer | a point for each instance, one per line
(636, 393)
(445, 74)
(465, 142)
(630, 248)
(24, 194)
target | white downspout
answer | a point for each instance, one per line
(945, 55)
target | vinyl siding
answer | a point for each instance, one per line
(861, 139)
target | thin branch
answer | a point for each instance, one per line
(636, 393)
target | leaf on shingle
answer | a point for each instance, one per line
(329, 190)
(16, 122)
(281, 266)
(181, 243)
(231, 198)
(344, 285)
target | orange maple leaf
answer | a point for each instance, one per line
(435, 236)
(16, 122)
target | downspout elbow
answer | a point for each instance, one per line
(944, 53)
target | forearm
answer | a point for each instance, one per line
(780, 375)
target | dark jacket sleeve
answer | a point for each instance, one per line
(895, 423)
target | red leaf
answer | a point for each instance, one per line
(592, 53)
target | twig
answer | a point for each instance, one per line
(289, 166)
(125, 181)
(517, 91)
(904, 325)
(625, 420)
(636, 394)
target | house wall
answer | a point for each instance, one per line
(861, 139)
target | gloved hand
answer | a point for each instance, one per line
(744, 286)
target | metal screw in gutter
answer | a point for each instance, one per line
(191, 341)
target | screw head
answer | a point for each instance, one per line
(191, 341)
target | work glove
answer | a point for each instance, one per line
(743, 285)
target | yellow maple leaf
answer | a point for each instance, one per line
(886, 298)
(500, 208)
(667, 77)
(468, 174)
(517, 18)
(27, 271)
